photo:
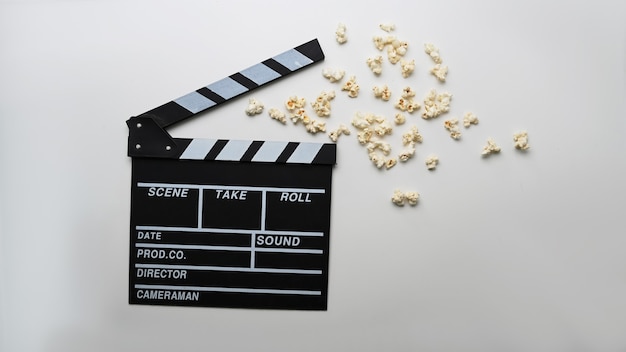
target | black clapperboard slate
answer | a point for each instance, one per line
(229, 223)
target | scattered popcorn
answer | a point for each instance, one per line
(440, 71)
(321, 105)
(432, 161)
(294, 103)
(378, 160)
(392, 55)
(389, 163)
(315, 126)
(433, 52)
(521, 140)
(381, 42)
(387, 27)
(375, 64)
(408, 92)
(436, 104)
(408, 105)
(333, 75)
(352, 87)
(398, 198)
(395, 50)
(399, 119)
(255, 107)
(469, 119)
(365, 136)
(383, 128)
(361, 121)
(412, 136)
(382, 92)
(412, 197)
(400, 46)
(278, 115)
(407, 67)
(340, 33)
(491, 147)
(342, 129)
(407, 153)
(452, 126)
(379, 145)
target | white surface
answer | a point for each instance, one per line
(517, 252)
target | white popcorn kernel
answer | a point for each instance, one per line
(407, 153)
(351, 87)
(469, 119)
(432, 161)
(333, 75)
(383, 128)
(399, 119)
(392, 55)
(411, 197)
(452, 126)
(278, 115)
(520, 140)
(340, 33)
(398, 198)
(387, 27)
(433, 52)
(361, 120)
(294, 103)
(400, 46)
(408, 92)
(436, 104)
(365, 136)
(490, 148)
(382, 92)
(440, 71)
(389, 163)
(408, 105)
(375, 64)
(380, 42)
(255, 107)
(342, 129)
(407, 67)
(412, 136)
(315, 126)
(383, 146)
(378, 160)
(321, 105)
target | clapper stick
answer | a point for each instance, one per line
(229, 223)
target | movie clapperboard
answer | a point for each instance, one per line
(229, 223)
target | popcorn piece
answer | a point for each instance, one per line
(387, 27)
(412, 197)
(521, 140)
(321, 105)
(433, 52)
(389, 163)
(399, 119)
(342, 129)
(407, 153)
(392, 55)
(382, 92)
(255, 107)
(294, 103)
(315, 126)
(400, 46)
(380, 42)
(469, 119)
(375, 64)
(452, 126)
(340, 34)
(361, 120)
(378, 160)
(407, 67)
(408, 93)
(412, 136)
(333, 75)
(351, 87)
(379, 145)
(440, 71)
(278, 115)
(432, 161)
(365, 136)
(436, 104)
(383, 128)
(398, 198)
(490, 148)
(408, 105)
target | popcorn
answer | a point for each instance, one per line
(340, 34)
(412, 136)
(255, 107)
(375, 64)
(433, 52)
(278, 115)
(365, 136)
(342, 129)
(407, 67)
(382, 92)
(294, 103)
(399, 119)
(408, 92)
(469, 119)
(379, 145)
(436, 104)
(440, 71)
(521, 140)
(352, 87)
(452, 126)
(407, 153)
(378, 160)
(395, 50)
(392, 55)
(408, 105)
(398, 198)
(387, 27)
(389, 163)
(315, 126)
(333, 75)
(380, 42)
(361, 121)
(383, 128)
(400, 46)
(432, 161)
(321, 105)
(490, 148)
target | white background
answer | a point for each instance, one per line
(515, 252)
